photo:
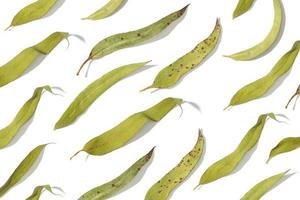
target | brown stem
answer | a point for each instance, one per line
(297, 93)
(147, 88)
(76, 154)
(7, 28)
(87, 60)
(296, 102)
(180, 106)
(287, 105)
(227, 107)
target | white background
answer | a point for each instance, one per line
(211, 86)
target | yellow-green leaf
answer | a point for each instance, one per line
(109, 9)
(23, 169)
(32, 12)
(261, 86)
(263, 187)
(27, 111)
(17, 66)
(121, 134)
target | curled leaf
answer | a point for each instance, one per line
(120, 135)
(16, 67)
(229, 163)
(261, 86)
(268, 42)
(37, 192)
(27, 111)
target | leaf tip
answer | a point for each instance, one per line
(57, 126)
(287, 171)
(218, 21)
(149, 61)
(150, 153)
(188, 5)
(182, 11)
(235, 15)
(200, 132)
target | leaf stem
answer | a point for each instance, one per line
(294, 95)
(76, 154)
(147, 88)
(87, 60)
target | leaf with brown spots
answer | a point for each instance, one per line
(162, 189)
(111, 188)
(170, 75)
(125, 40)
